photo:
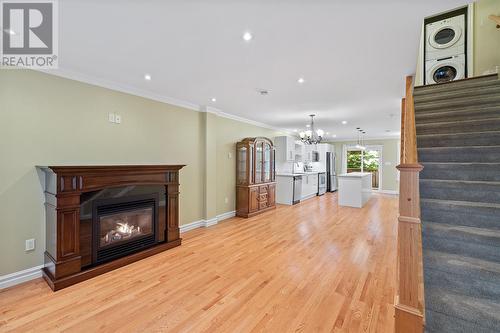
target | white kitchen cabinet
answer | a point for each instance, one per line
(285, 148)
(308, 149)
(309, 185)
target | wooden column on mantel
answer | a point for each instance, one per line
(409, 303)
(63, 187)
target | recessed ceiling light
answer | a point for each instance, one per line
(307, 125)
(295, 130)
(344, 122)
(214, 99)
(10, 32)
(327, 133)
(301, 80)
(147, 77)
(247, 36)
(334, 135)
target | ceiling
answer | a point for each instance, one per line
(353, 56)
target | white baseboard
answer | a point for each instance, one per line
(391, 192)
(206, 223)
(12, 279)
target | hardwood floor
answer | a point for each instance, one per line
(304, 268)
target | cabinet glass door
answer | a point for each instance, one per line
(267, 162)
(258, 162)
(242, 165)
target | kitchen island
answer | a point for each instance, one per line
(355, 189)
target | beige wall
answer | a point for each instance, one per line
(48, 120)
(486, 37)
(390, 153)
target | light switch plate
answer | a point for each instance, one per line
(30, 244)
(118, 119)
(111, 117)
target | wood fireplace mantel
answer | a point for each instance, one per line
(63, 187)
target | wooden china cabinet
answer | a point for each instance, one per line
(255, 176)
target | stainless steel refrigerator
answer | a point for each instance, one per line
(331, 175)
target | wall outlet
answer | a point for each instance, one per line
(111, 117)
(229, 155)
(226, 200)
(30, 245)
(118, 119)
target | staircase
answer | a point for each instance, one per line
(458, 141)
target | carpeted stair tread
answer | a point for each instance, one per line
(453, 263)
(448, 127)
(480, 311)
(458, 114)
(487, 100)
(491, 138)
(474, 214)
(441, 323)
(460, 154)
(462, 284)
(493, 88)
(482, 81)
(461, 171)
(487, 239)
(460, 190)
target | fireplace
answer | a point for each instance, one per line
(122, 226)
(99, 218)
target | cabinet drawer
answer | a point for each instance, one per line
(263, 204)
(263, 189)
(263, 197)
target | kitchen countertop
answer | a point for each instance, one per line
(355, 174)
(289, 174)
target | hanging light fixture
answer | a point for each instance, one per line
(359, 144)
(311, 136)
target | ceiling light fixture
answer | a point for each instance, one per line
(359, 144)
(311, 136)
(214, 99)
(147, 77)
(247, 36)
(344, 122)
(301, 80)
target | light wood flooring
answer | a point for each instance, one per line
(312, 267)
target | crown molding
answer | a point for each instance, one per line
(109, 84)
(367, 139)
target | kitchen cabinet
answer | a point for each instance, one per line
(309, 185)
(285, 148)
(255, 176)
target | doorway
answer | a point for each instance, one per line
(367, 160)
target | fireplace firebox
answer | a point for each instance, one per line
(99, 218)
(122, 226)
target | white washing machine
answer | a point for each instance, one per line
(445, 70)
(445, 38)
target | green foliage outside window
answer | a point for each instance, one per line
(370, 160)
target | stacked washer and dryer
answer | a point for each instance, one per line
(445, 49)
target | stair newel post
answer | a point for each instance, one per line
(409, 302)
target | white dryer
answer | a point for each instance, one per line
(445, 70)
(445, 38)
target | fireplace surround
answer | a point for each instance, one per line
(99, 218)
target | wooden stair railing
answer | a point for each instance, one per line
(409, 301)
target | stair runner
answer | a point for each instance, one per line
(458, 140)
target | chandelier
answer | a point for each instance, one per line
(311, 136)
